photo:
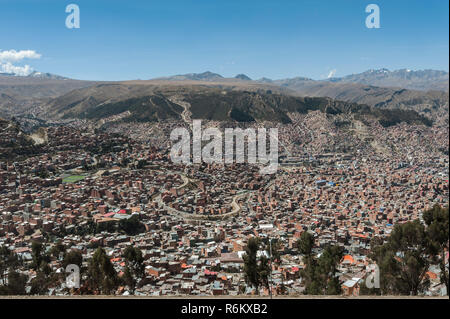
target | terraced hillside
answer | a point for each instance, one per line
(217, 102)
(14, 143)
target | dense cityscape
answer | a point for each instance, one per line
(212, 159)
(83, 194)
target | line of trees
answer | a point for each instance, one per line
(256, 268)
(405, 258)
(319, 274)
(98, 277)
(131, 226)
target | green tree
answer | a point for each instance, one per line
(131, 226)
(403, 260)
(40, 260)
(251, 263)
(57, 249)
(40, 284)
(73, 257)
(256, 270)
(16, 284)
(305, 243)
(319, 274)
(8, 260)
(437, 233)
(311, 276)
(274, 253)
(264, 270)
(328, 261)
(45, 268)
(102, 277)
(105, 226)
(36, 252)
(134, 268)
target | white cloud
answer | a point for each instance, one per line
(8, 57)
(16, 56)
(8, 67)
(331, 74)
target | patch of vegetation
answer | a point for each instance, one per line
(144, 109)
(240, 116)
(73, 178)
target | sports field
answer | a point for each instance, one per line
(73, 178)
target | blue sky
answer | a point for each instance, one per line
(122, 40)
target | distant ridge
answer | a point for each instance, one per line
(153, 102)
(265, 80)
(403, 78)
(380, 88)
(423, 80)
(242, 77)
(205, 76)
(36, 74)
(46, 76)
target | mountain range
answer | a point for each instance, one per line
(404, 78)
(414, 80)
(36, 74)
(238, 98)
(155, 102)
